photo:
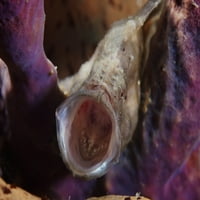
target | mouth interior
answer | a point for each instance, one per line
(91, 132)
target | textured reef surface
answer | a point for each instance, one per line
(164, 154)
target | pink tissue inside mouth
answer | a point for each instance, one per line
(91, 132)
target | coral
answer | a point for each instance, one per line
(34, 95)
(12, 192)
(116, 197)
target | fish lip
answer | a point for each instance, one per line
(63, 112)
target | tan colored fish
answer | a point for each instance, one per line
(99, 117)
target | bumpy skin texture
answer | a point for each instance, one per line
(109, 87)
(163, 162)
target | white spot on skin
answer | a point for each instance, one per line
(138, 195)
(149, 100)
(131, 58)
(66, 93)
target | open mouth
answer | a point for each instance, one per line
(91, 131)
(88, 136)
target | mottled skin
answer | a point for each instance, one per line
(107, 84)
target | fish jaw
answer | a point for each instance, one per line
(88, 134)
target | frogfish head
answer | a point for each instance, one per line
(100, 116)
(88, 135)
